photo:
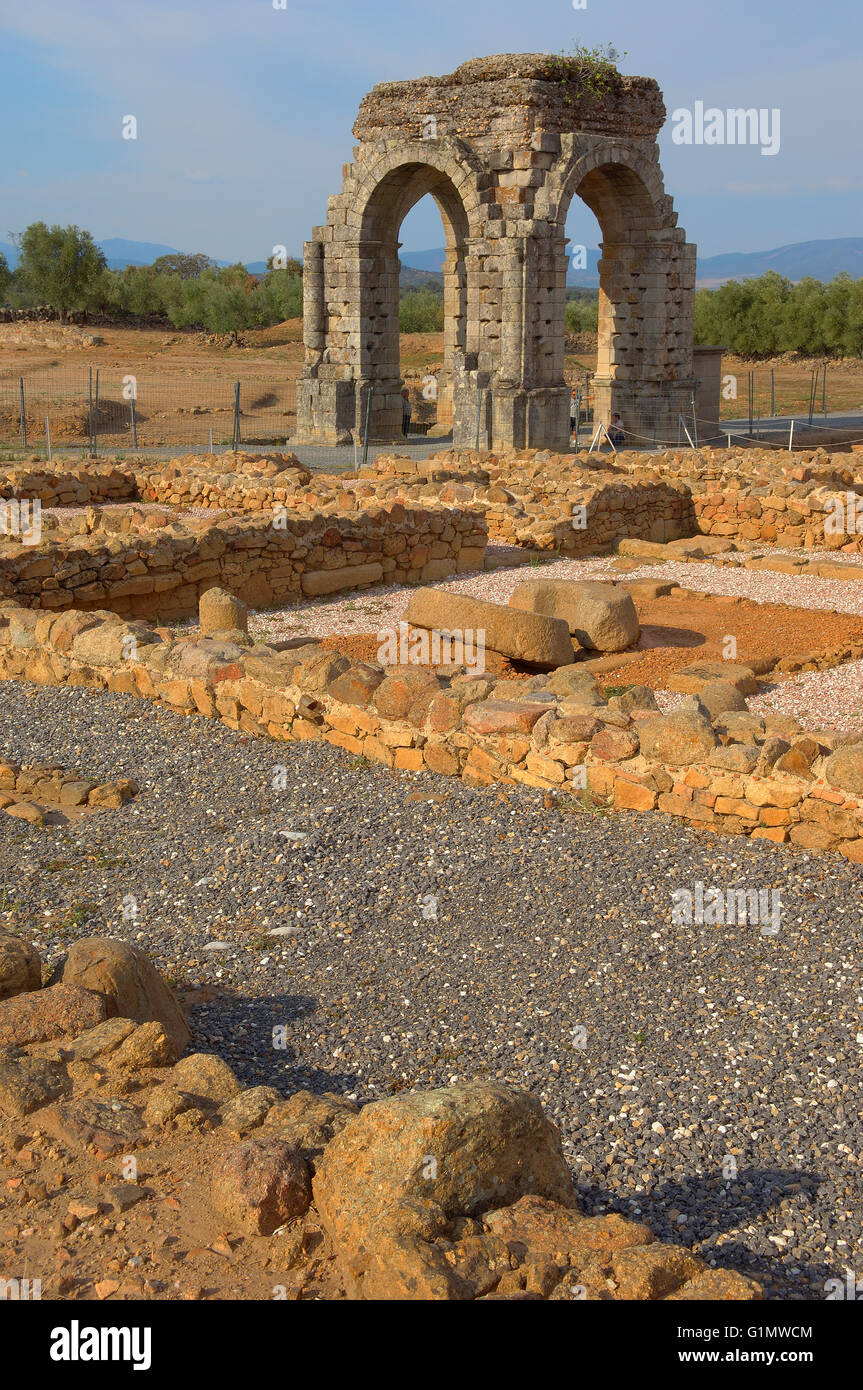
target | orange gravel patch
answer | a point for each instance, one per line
(675, 632)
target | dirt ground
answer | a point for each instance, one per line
(63, 1220)
(184, 384)
(186, 379)
(675, 632)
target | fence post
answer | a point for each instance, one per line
(90, 416)
(368, 423)
(211, 441)
(478, 414)
(694, 421)
(577, 416)
(772, 393)
(23, 415)
(824, 393)
(790, 436)
(751, 400)
(236, 416)
(134, 425)
(96, 418)
(48, 434)
(813, 394)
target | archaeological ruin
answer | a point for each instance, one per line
(503, 145)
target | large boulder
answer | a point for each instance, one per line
(20, 966)
(600, 616)
(434, 1155)
(260, 1184)
(532, 637)
(677, 739)
(128, 981)
(63, 1010)
(844, 769)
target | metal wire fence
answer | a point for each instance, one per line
(98, 407)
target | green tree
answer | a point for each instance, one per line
(60, 266)
(221, 300)
(770, 315)
(279, 295)
(421, 311)
(178, 263)
(582, 315)
(5, 275)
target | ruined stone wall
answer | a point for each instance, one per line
(537, 500)
(68, 485)
(162, 574)
(742, 495)
(722, 775)
(146, 540)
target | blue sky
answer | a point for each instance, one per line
(244, 111)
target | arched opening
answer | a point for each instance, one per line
(379, 350)
(631, 304)
(580, 323)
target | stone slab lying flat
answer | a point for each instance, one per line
(317, 582)
(532, 637)
(692, 679)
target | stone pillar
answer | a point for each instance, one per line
(454, 326)
(314, 306)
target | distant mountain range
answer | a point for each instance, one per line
(119, 253)
(821, 260)
(816, 260)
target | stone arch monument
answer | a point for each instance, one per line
(503, 145)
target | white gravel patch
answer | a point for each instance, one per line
(372, 610)
(819, 699)
(762, 586)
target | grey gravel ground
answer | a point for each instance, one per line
(437, 932)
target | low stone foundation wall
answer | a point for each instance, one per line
(575, 504)
(739, 774)
(162, 573)
(72, 485)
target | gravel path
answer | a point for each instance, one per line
(433, 932)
